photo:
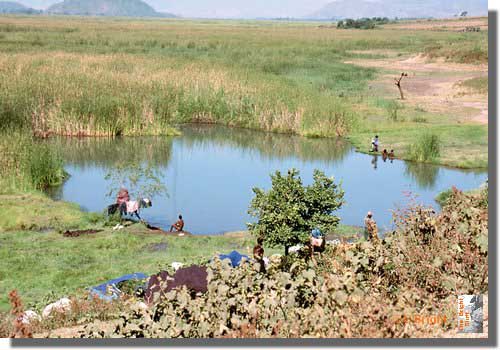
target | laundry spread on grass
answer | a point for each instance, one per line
(193, 277)
(235, 257)
(109, 290)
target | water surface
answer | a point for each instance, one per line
(210, 172)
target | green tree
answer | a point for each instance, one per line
(289, 211)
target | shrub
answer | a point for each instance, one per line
(443, 197)
(289, 211)
(419, 119)
(359, 290)
(393, 108)
(425, 148)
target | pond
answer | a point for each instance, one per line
(210, 171)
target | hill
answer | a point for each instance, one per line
(402, 9)
(15, 7)
(118, 8)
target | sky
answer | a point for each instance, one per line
(252, 8)
(221, 8)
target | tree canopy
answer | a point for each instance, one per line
(289, 211)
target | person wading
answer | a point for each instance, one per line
(371, 231)
(385, 155)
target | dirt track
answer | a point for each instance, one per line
(455, 24)
(433, 85)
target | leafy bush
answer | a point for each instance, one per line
(358, 290)
(289, 211)
(442, 197)
(425, 148)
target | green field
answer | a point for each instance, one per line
(81, 76)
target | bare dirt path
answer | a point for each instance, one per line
(434, 86)
(452, 24)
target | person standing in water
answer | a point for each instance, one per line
(384, 155)
(391, 155)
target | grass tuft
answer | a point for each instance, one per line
(425, 148)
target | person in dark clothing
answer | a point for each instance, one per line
(178, 226)
(258, 254)
(385, 155)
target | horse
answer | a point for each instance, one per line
(130, 207)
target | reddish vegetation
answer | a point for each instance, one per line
(20, 330)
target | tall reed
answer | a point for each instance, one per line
(425, 148)
(27, 164)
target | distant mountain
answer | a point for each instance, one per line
(341, 9)
(15, 7)
(118, 8)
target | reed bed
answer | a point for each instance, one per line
(107, 95)
(27, 164)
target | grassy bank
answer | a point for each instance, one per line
(39, 260)
(76, 76)
(464, 146)
(41, 263)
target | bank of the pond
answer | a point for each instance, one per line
(44, 265)
(462, 147)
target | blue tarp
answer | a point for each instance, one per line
(234, 256)
(101, 290)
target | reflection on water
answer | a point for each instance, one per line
(108, 152)
(268, 145)
(210, 171)
(424, 174)
(374, 161)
